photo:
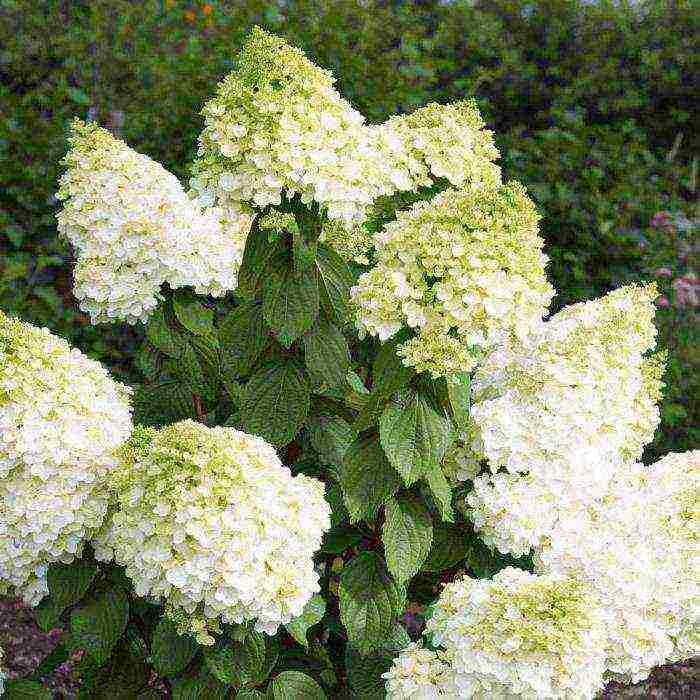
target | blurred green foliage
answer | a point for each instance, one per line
(587, 99)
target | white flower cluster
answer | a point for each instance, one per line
(413, 151)
(464, 269)
(134, 228)
(560, 411)
(61, 419)
(210, 521)
(637, 549)
(277, 125)
(517, 635)
(420, 674)
(565, 413)
(438, 142)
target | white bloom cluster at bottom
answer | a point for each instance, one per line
(517, 635)
(637, 548)
(420, 674)
(61, 419)
(211, 521)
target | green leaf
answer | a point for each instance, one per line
(370, 599)
(407, 534)
(23, 689)
(243, 337)
(68, 583)
(367, 479)
(389, 374)
(188, 368)
(458, 390)
(146, 359)
(450, 546)
(50, 662)
(171, 652)
(335, 281)
(162, 403)
(330, 436)
(198, 689)
(161, 334)
(275, 402)
(326, 355)
(312, 614)
(98, 625)
(237, 662)
(339, 539)
(257, 259)
(304, 252)
(249, 694)
(192, 314)
(441, 491)
(125, 676)
(294, 685)
(290, 304)
(414, 437)
(365, 672)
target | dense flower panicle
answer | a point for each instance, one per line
(637, 548)
(277, 124)
(61, 419)
(521, 635)
(210, 521)
(577, 394)
(464, 269)
(419, 674)
(134, 227)
(514, 513)
(439, 142)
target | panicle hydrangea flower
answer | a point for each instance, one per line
(636, 547)
(419, 674)
(210, 521)
(277, 124)
(439, 142)
(465, 269)
(134, 227)
(514, 513)
(561, 412)
(61, 419)
(521, 635)
(576, 394)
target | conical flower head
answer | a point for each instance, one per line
(465, 269)
(277, 124)
(134, 228)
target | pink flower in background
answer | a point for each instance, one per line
(663, 302)
(687, 289)
(663, 272)
(662, 219)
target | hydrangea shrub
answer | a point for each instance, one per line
(363, 461)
